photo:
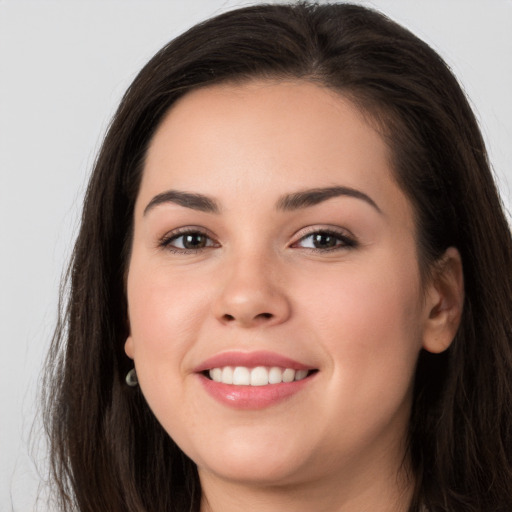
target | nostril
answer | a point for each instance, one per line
(261, 316)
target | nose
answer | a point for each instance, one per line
(251, 294)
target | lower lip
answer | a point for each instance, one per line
(253, 397)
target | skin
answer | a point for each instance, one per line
(358, 313)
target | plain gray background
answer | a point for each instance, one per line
(63, 67)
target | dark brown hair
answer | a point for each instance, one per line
(108, 452)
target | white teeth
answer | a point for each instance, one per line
(288, 375)
(241, 376)
(275, 375)
(216, 374)
(301, 374)
(227, 375)
(258, 376)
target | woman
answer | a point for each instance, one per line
(291, 287)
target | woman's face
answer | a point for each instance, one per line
(272, 243)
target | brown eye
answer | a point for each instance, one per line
(188, 241)
(194, 241)
(325, 241)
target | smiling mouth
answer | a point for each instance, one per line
(256, 376)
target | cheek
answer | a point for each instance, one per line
(368, 321)
(368, 328)
(164, 316)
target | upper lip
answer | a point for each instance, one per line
(250, 360)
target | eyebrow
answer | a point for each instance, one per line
(186, 199)
(311, 197)
(288, 202)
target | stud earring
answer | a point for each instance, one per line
(131, 378)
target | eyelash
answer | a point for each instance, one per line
(166, 241)
(343, 241)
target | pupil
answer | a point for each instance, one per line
(323, 240)
(194, 241)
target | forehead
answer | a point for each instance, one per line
(268, 136)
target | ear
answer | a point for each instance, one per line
(444, 302)
(128, 347)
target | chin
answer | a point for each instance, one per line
(259, 463)
(269, 473)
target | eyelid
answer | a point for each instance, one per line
(347, 238)
(164, 242)
(343, 234)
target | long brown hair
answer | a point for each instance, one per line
(108, 452)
